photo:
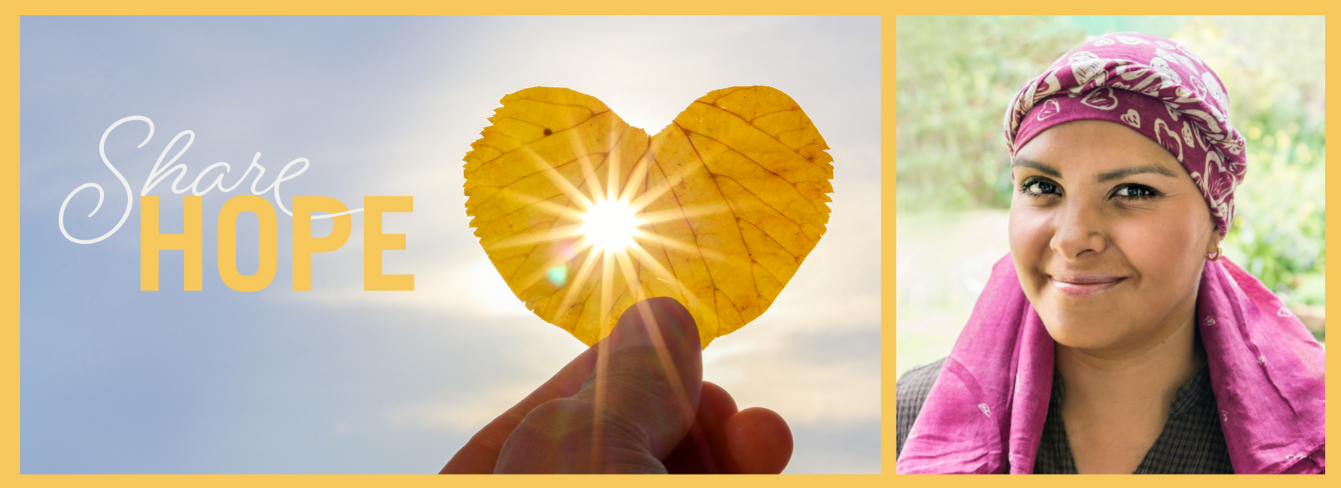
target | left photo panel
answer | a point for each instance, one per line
(353, 244)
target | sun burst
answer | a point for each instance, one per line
(606, 234)
(609, 226)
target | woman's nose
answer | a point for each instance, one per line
(1078, 231)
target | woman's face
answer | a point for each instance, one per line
(1109, 235)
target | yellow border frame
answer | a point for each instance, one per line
(10, 257)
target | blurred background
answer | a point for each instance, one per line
(954, 186)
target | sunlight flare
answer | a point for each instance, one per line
(609, 226)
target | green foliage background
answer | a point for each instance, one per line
(955, 76)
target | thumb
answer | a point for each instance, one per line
(638, 403)
(652, 375)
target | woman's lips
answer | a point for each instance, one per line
(1085, 285)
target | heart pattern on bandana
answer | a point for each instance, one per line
(1166, 56)
(1101, 99)
(1171, 140)
(1087, 70)
(1214, 88)
(1132, 118)
(1198, 87)
(1050, 108)
(1082, 56)
(1171, 78)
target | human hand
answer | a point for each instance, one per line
(633, 403)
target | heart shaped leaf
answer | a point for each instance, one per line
(584, 215)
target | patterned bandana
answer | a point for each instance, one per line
(1157, 88)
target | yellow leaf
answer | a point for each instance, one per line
(584, 215)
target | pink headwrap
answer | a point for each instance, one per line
(1153, 86)
(986, 410)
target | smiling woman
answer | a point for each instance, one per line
(1108, 240)
(1114, 338)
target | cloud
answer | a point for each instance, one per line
(460, 416)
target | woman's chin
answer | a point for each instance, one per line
(1084, 340)
(1090, 330)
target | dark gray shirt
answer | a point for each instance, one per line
(1191, 441)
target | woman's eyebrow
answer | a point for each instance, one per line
(1045, 169)
(1149, 168)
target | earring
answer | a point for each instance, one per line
(1214, 256)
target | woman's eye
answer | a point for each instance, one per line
(1136, 192)
(1036, 188)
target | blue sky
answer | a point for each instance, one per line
(341, 380)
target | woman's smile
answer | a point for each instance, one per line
(1085, 285)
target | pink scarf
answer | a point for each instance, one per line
(985, 412)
